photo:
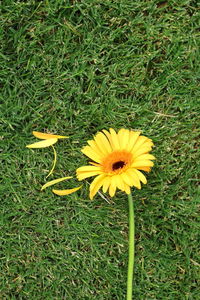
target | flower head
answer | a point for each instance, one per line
(118, 159)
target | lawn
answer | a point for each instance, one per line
(74, 68)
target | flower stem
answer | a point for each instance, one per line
(131, 248)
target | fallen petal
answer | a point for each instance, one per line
(52, 182)
(43, 144)
(54, 161)
(45, 136)
(66, 192)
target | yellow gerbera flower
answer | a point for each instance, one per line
(118, 159)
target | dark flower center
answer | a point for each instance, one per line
(118, 165)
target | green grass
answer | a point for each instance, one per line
(73, 68)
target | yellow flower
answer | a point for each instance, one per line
(118, 159)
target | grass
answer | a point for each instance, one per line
(73, 68)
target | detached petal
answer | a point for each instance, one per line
(52, 182)
(66, 192)
(54, 162)
(45, 136)
(43, 144)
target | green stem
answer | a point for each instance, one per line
(131, 248)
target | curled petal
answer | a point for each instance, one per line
(54, 161)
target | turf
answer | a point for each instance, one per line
(73, 68)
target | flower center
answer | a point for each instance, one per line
(118, 165)
(116, 162)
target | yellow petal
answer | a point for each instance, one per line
(144, 149)
(127, 179)
(95, 148)
(85, 175)
(134, 135)
(52, 182)
(131, 178)
(119, 182)
(88, 151)
(96, 185)
(45, 136)
(127, 189)
(145, 156)
(134, 178)
(146, 169)
(88, 169)
(123, 136)
(140, 141)
(66, 192)
(43, 144)
(106, 183)
(108, 135)
(102, 143)
(115, 140)
(54, 162)
(112, 138)
(142, 163)
(112, 187)
(141, 176)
